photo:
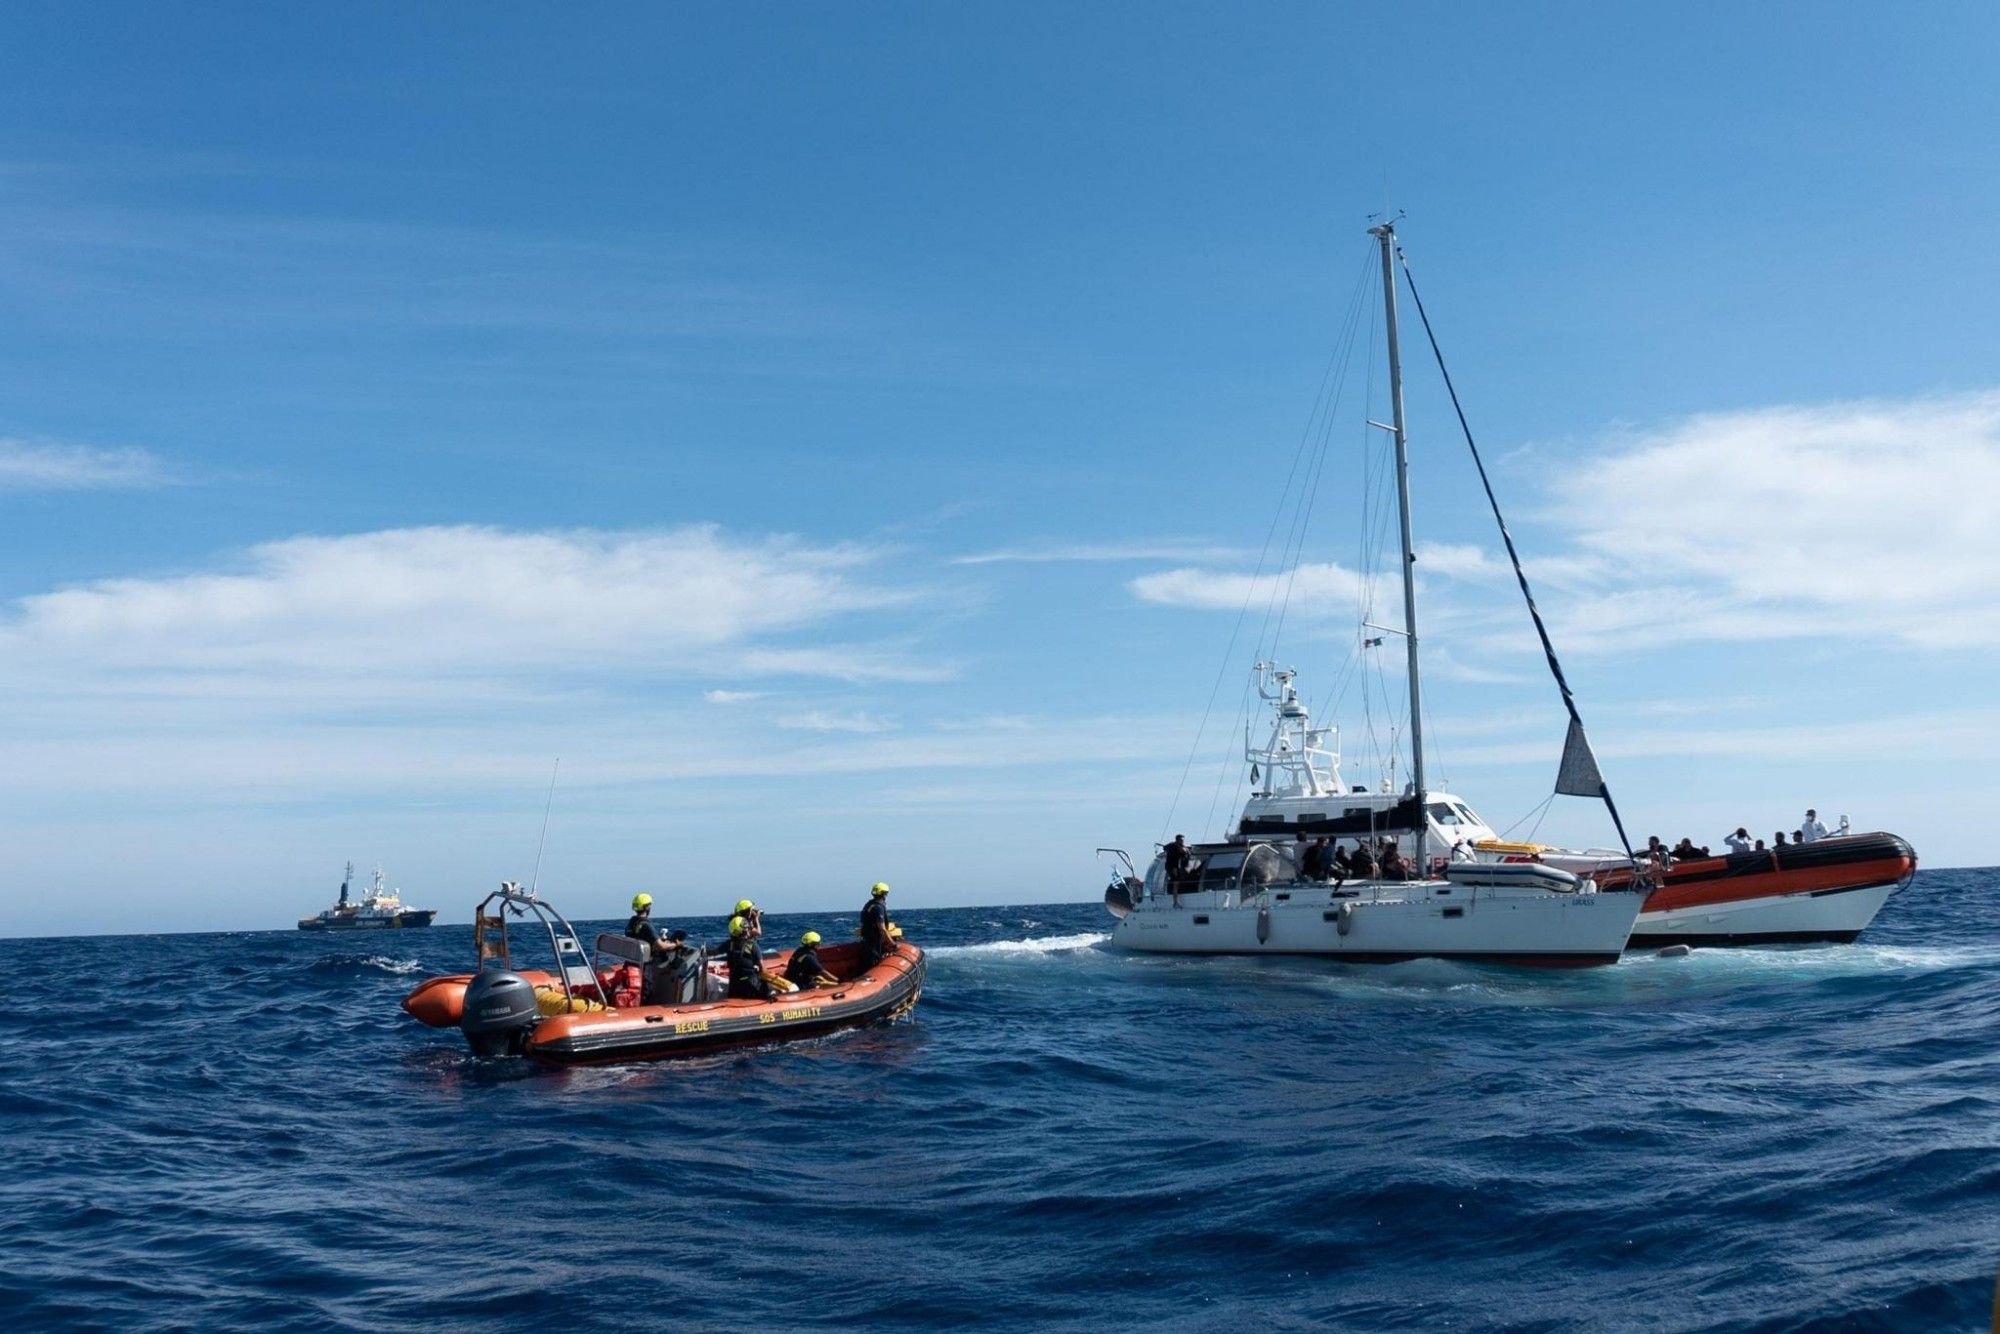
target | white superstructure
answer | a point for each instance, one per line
(1253, 893)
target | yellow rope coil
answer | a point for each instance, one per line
(551, 1001)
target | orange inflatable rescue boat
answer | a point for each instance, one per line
(586, 1012)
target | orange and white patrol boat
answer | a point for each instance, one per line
(587, 1011)
(1826, 891)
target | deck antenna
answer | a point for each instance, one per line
(536, 879)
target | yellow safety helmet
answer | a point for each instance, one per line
(745, 905)
(809, 938)
(641, 901)
(881, 888)
(737, 926)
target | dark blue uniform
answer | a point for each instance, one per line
(746, 971)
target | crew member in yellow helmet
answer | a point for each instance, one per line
(640, 925)
(746, 964)
(804, 968)
(753, 918)
(878, 933)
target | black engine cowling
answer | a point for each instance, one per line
(498, 1013)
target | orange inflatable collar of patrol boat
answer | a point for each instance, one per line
(587, 1010)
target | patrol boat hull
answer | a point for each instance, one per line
(1822, 892)
(409, 917)
(1828, 891)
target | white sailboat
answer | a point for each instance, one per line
(1246, 894)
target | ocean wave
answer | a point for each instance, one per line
(1034, 945)
(380, 964)
(1059, 1135)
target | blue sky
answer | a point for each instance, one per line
(841, 433)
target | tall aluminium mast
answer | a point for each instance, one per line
(1386, 234)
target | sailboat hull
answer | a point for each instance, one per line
(1391, 925)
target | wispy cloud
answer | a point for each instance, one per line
(822, 721)
(1957, 733)
(469, 602)
(1053, 553)
(732, 696)
(1876, 517)
(1323, 584)
(29, 465)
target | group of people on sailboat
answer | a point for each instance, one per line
(1324, 859)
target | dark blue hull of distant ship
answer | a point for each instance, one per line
(409, 917)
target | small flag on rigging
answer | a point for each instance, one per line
(1372, 643)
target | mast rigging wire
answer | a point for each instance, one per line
(1263, 559)
(1520, 575)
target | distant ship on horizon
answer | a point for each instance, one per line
(382, 910)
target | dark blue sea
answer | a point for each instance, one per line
(212, 1131)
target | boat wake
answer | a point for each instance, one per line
(1033, 946)
(348, 965)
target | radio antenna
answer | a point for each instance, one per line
(536, 879)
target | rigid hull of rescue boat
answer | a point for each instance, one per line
(584, 1013)
(1390, 922)
(665, 1032)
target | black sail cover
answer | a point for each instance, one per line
(1578, 776)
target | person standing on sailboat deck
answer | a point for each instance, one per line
(1393, 865)
(1175, 854)
(1812, 831)
(1739, 841)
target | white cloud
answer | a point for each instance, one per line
(822, 721)
(477, 602)
(1059, 553)
(1877, 519)
(732, 696)
(30, 466)
(1457, 561)
(1321, 584)
(1869, 518)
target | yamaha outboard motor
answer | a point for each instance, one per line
(499, 1012)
